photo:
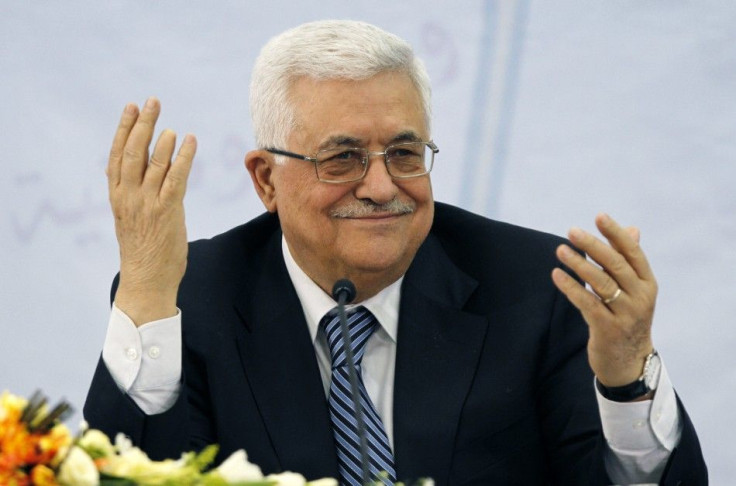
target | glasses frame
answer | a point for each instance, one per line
(366, 158)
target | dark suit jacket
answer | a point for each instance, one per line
(492, 384)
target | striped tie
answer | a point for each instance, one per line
(342, 409)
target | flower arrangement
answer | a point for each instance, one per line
(36, 449)
(31, 440)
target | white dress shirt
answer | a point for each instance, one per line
(145, 362)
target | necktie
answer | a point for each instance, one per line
(342, 408)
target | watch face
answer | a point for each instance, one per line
(652, 368)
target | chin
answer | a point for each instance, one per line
(377, 260)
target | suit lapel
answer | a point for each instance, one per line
(279, 360)
(438, 349)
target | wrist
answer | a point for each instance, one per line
(616, 366)
(143, 307)
(643, 388)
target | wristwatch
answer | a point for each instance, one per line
(646, 383)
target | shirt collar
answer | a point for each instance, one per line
(316, 302)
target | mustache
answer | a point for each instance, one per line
(363, 208)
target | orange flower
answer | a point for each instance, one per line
(14, 478)
(43, 476)
(16, 445)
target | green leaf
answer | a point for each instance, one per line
(106, 480)
(206, 457)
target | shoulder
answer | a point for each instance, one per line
(221, 272)
(234, 254)
(241, 240)
(507, 261)
(462, 232)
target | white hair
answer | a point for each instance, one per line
(328, 49)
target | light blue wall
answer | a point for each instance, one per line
(545, 112)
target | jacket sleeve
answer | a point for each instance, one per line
(110, 410)
(686, 464)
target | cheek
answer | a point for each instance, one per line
(306, 203)
(419, 191)
(293, 189)
(422, 196)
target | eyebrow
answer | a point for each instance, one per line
(348, 141)
(340, 140)
(406, 136)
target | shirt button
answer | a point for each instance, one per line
(131, 354)
(639, 424)
(154, 352)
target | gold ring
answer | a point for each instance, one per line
(612, 298)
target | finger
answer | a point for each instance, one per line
(160, 161)
(135, 153)
(599, 281)
(175, 183)
(612, 262)
(127, 120)
(634, 233)
(589, 305)
(626, 245)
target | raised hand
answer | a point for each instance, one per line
(619, 303)
(146, 196)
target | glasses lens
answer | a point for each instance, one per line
(409, 159)
(340, 164)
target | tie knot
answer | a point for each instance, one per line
(361, 324)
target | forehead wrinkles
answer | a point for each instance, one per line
(317, 119)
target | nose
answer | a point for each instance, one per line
(377, 185)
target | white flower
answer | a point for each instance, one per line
(287, 479)
(129, 463)
(122, 443)
(96, 444)
(132, 463)
(236, 468)
(78, 469)
(324, 482)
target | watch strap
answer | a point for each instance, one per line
(633, 390)
(625, 393)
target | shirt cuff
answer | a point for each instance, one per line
(640, 435)
(645, 425)
(145, 357)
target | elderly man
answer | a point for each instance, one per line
(475, 367)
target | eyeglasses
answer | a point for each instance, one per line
(403, 161)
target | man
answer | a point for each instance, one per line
(474, 362)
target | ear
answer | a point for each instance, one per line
(259, 165)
